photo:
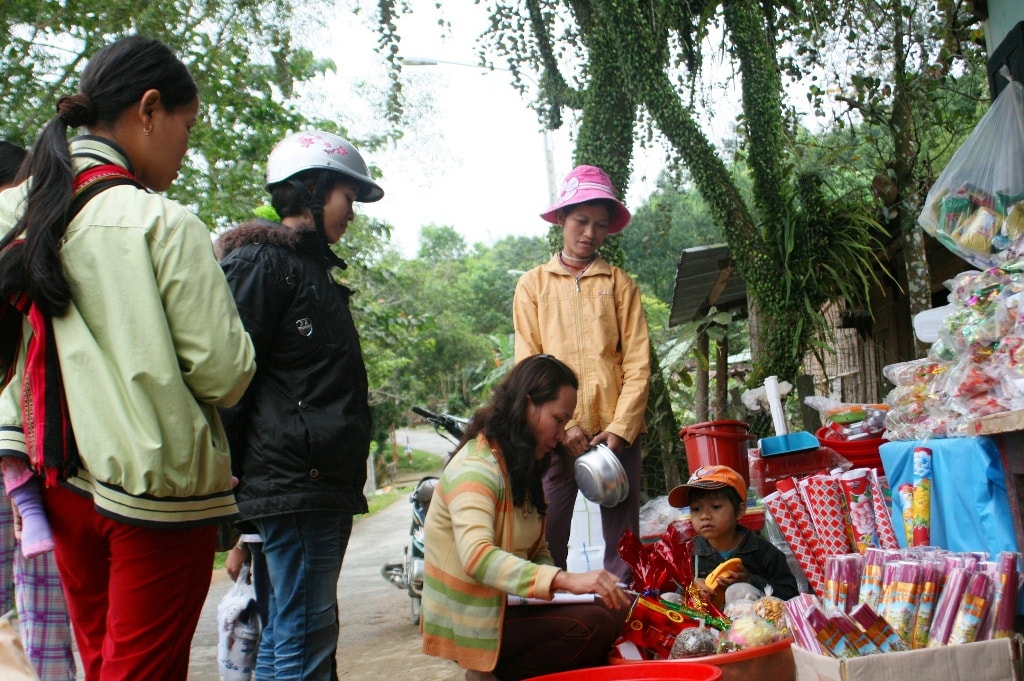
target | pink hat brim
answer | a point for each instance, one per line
(619, 219)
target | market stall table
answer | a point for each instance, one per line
(970, 509)
(975, 493)
(1007, 429)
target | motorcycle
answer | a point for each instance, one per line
(408, 574)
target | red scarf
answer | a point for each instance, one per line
(49, 437)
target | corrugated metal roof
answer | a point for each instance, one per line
(706, 277)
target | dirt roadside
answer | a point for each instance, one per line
(378, 639)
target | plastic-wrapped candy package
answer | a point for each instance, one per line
(916, 413)
(972, 609)
(1008, 309)
(747, 632)
(914, 372)
(1008, 364)
(976, 290)
(972, 388)
(970, 208)
(694, 642)
(772, 609)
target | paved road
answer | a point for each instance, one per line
(378, 639)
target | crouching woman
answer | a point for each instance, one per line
(485, 542)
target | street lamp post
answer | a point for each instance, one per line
(549, 150)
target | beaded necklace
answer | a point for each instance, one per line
(576, 270)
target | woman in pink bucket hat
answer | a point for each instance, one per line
(583, 185)
(587, 313)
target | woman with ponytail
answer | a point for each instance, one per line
(119, 339)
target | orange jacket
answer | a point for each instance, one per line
(597, 326)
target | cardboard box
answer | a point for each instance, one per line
(997, 660)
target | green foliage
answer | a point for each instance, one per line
(242, 54)
(440, 244)
(672, 219)
(436, 331)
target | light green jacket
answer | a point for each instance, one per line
(149, 347)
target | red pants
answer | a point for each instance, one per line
(134, 593)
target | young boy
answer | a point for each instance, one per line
(717, 497)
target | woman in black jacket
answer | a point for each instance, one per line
(301, 436)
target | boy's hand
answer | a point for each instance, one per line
(237, 556)
(716, 576)
(705, 590)
(733, 576)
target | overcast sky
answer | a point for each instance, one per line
(475, 158)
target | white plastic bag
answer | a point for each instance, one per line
(976, 206)
(238, 630)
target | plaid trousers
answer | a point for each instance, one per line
(34, 586)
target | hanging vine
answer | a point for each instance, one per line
(608, 60)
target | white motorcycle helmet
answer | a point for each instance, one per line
(315, 149)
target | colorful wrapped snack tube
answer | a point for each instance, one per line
(853, 633)
(803, 634)
(823, 498)
(883, 518)
(804, 524)
(931, 584)
(905, 492)
(947, 605)
(835, 596)
(953, 560)
(719, 623)
(871, 578)
(972, 609)
(888, 582)
(921, 535)
(857, 492)
(805, 555)
(990, 568)
(877, 629)
(904, 597)
(853, 564)
(1004, 605)
(832, 640)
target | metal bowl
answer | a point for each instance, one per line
(601, 477)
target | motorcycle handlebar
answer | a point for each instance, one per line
(449, 423)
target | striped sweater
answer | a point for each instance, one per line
(479, 547)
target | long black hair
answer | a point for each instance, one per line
(11, 158)
(535, 381)
(114, 79)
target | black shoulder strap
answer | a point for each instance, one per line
(92, 189)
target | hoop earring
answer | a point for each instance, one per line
(148, 129)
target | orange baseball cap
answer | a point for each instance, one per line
(708, 477)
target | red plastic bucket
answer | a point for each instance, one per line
(722, 443)
(773, 661)
(651, 671)
(861, 453)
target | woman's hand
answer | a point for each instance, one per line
(611, 440)
(598, 582)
